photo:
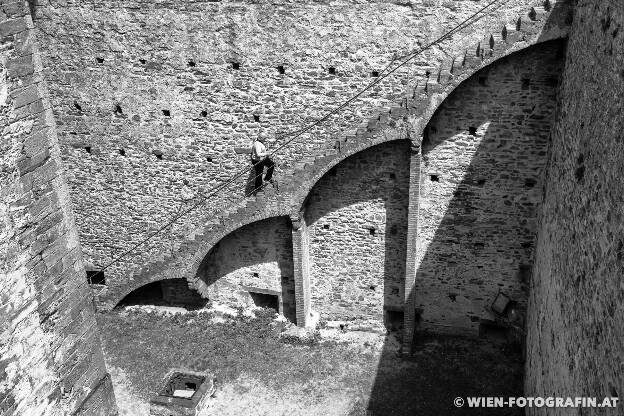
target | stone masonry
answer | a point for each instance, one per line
(51, 362)
(575, 340)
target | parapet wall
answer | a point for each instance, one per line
(50, 357)
(575, 344)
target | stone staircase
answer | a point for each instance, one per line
(405, 119)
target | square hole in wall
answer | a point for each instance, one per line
(88, 149)
(166, 113)
(256, 118)
(331, 70)
(265, 300)
(472, 131)
(326, 226)
(281, 70)
(371, 231)
(434, 178)
(122, 152)
(96, 277)
(524, 272)
(375, 74)
(235, 65)
(192, 63)
(99, 60)
(204, 113)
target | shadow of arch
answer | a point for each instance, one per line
(166, 292)
(484, 152)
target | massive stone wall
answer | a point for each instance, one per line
(118, 68)
(483, 158)
(50, 357)
(255, 258)
(357, 223)
(575, 344)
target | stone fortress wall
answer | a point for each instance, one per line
(575, 340)
(51, 362)
(152, 110)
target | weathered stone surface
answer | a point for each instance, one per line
(51, 362)
(575, 342)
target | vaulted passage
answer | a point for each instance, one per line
(253, 266)
(168, 292)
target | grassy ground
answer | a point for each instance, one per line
(258, 374)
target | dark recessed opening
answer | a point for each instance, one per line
(524, 273)
(427, 74)
(159, 157)
(99, 60)
(78, 107)
(118, 109)
(166, 113)
(452, 297)
(481, 182)
(472, 131)
(256, 118)
(392, 176)
(204, 113)
(122, 152)
(208, 159)
(182, 386)
(482, 80)
(331, 70)
(527, 244)
(192, 63)
(492, 331)
(235, 65)
(264, 300)
(142, 61)
(255, 274)
(326, 226)
(169, 292)
(434, 178)
(526, 83)
(375, 74)
(88, 149)
(96, 277)
(530, 182)
(158, 154)
(281, 69)
(393, 320)
(371, 231)
(190, 386)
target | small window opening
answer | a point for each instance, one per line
(331, 70)
(235, 65)
(393, 320)
(372, 287)
(208, 159)
(190, 386)
(204, 113)
(530, 182)
(96, 277)
(434, 178)
(88, 149)
(526, 83)
(524, 273)
(122, 152)
(192, 63)
(371, 231)
(527, 244)
(142, 61)
(166, 113)
(481, 182)
(256, 118)
(326, 226)
(472, 131)
(482, 80)
(375, 74)
(78, 107)
(427, 74)
(99, 60)
(264, 300)
(118, 109)
(255, 274)
(281, 69)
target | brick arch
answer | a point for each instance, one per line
(184, 267)
(411, 128)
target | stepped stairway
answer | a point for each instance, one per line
(405, 119)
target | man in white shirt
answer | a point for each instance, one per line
(260, 158)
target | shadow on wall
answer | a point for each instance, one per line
(483, 159)
(253, 264)
(357, 216)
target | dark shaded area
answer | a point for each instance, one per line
(168, 292)
(509, 128)
(265, 300)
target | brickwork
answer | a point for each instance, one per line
(50, 357)
(256, 256)
(114, 85)
(483, 158)
(575, 341)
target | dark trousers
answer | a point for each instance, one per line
(259, 169)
